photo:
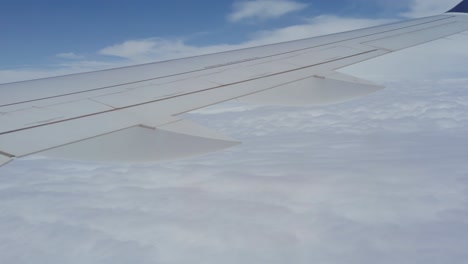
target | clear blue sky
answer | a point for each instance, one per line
(32, 31)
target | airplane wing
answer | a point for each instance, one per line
(133, 113)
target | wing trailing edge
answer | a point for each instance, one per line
(4, 159)
(180, 139)
(316, 90)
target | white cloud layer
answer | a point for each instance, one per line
(382, 179)
(263, 9)
(378, 180)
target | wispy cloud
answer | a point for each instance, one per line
(131, 48)
(69, 56)
(264, 9)
(153, 49)
(316, 26)
(160, 49)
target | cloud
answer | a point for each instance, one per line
(263, 9)
(357, 183)
(422, 8)
(381, 179)
(69, 56)
(155, 49)
(133, 48)
(316, 26)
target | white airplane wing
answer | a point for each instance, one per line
(132, 113)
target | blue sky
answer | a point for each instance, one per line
(59, 37)
(35, 31)
(382, 179)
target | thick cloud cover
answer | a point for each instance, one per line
(383, 179)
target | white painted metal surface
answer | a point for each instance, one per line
(314, 91)
(4, 160)
(142, 143)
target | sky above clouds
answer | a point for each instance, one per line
(263, 9)
(382, 179)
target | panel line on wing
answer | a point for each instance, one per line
(154, 101)
(7, 154)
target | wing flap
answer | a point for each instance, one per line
(315, 90)
(180, 139)
(4, 159)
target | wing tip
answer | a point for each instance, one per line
(460, 8)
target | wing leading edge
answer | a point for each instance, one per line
(131, 114)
